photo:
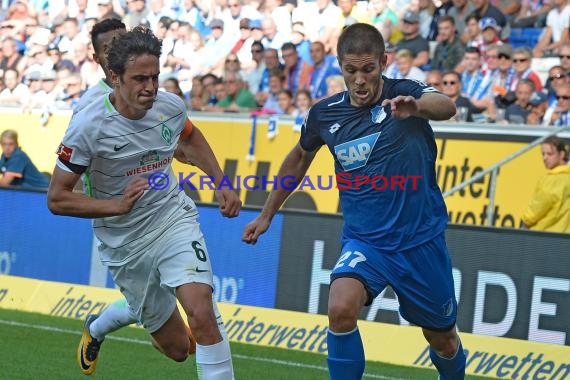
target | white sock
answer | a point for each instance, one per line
(116, 315)
(214, 362)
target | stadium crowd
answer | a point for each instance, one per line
(278, 56)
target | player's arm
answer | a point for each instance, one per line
(194, 149)
(294, 166)
(431, 106)
(63, 201)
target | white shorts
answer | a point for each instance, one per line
(178, 256)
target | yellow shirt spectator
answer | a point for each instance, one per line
(549, 209)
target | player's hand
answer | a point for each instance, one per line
(254, 229)
(134, 190)
(402, 106)
(230, 204)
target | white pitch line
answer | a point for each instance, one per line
(145, 342)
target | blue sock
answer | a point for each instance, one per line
(345, 355)
(452, 368)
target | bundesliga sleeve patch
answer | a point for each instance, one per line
(64, 152)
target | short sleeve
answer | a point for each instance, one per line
(413, 87)
(17, 163)
(310, 138)
(76, 146)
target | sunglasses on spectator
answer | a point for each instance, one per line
(504, 56)
(562, 97)
(450, 83)
(434, 84)
(557, 76)
(564, 56)
(517, 60)
(255, 51)
(489, 56)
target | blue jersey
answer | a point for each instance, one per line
(385, 168)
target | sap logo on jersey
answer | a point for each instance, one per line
(354, 154)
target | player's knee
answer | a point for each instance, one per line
(342, 317)
(178, 353)
(444, 343)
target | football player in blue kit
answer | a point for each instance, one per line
(394, 214)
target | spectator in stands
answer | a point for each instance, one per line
(335, 84)
(325, 65)
(106, 9)
(256, 30)
(271, 60)
(136, 12)
(303, 45)
(539, 103)
(237, 11)
(73, 89)
(303, 102)
(475, 82)
(270, 100)
(522, 59)
(505, 75)
(198, 96)
(209, 82)
(253, 74)
(485, 9)
(434, 79)
(405, 68)
(280, 15)
(242, 47)
(286, 102)
(11, 56)
(16, 93)
(556, 76)
(16, 168)
(238, 99)
(412, 40)
(532, 14)
(297, 73)
(472, 32)
(325, 23)
(449, 50)
(549, 208)
(510, 8)
(156, 10)
(517, 112)
(556, 32)
(385, 20)
(217, 46)
(272, 38)
(451, 83)
(490, 32)
(350, 14)
(433, 16)
(564, 55)
(558, 114)
(172, 85)
(459, 11)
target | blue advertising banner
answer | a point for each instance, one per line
(34, 243)
(243, 274)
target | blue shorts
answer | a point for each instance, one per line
(421, 278)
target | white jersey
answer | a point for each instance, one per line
(115, 150)
(92, 94)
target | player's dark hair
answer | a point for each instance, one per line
(140, 40)
(360, 39)
(104, 26)
(558, 144)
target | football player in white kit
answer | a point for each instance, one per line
(118, 314)
(150, 239)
